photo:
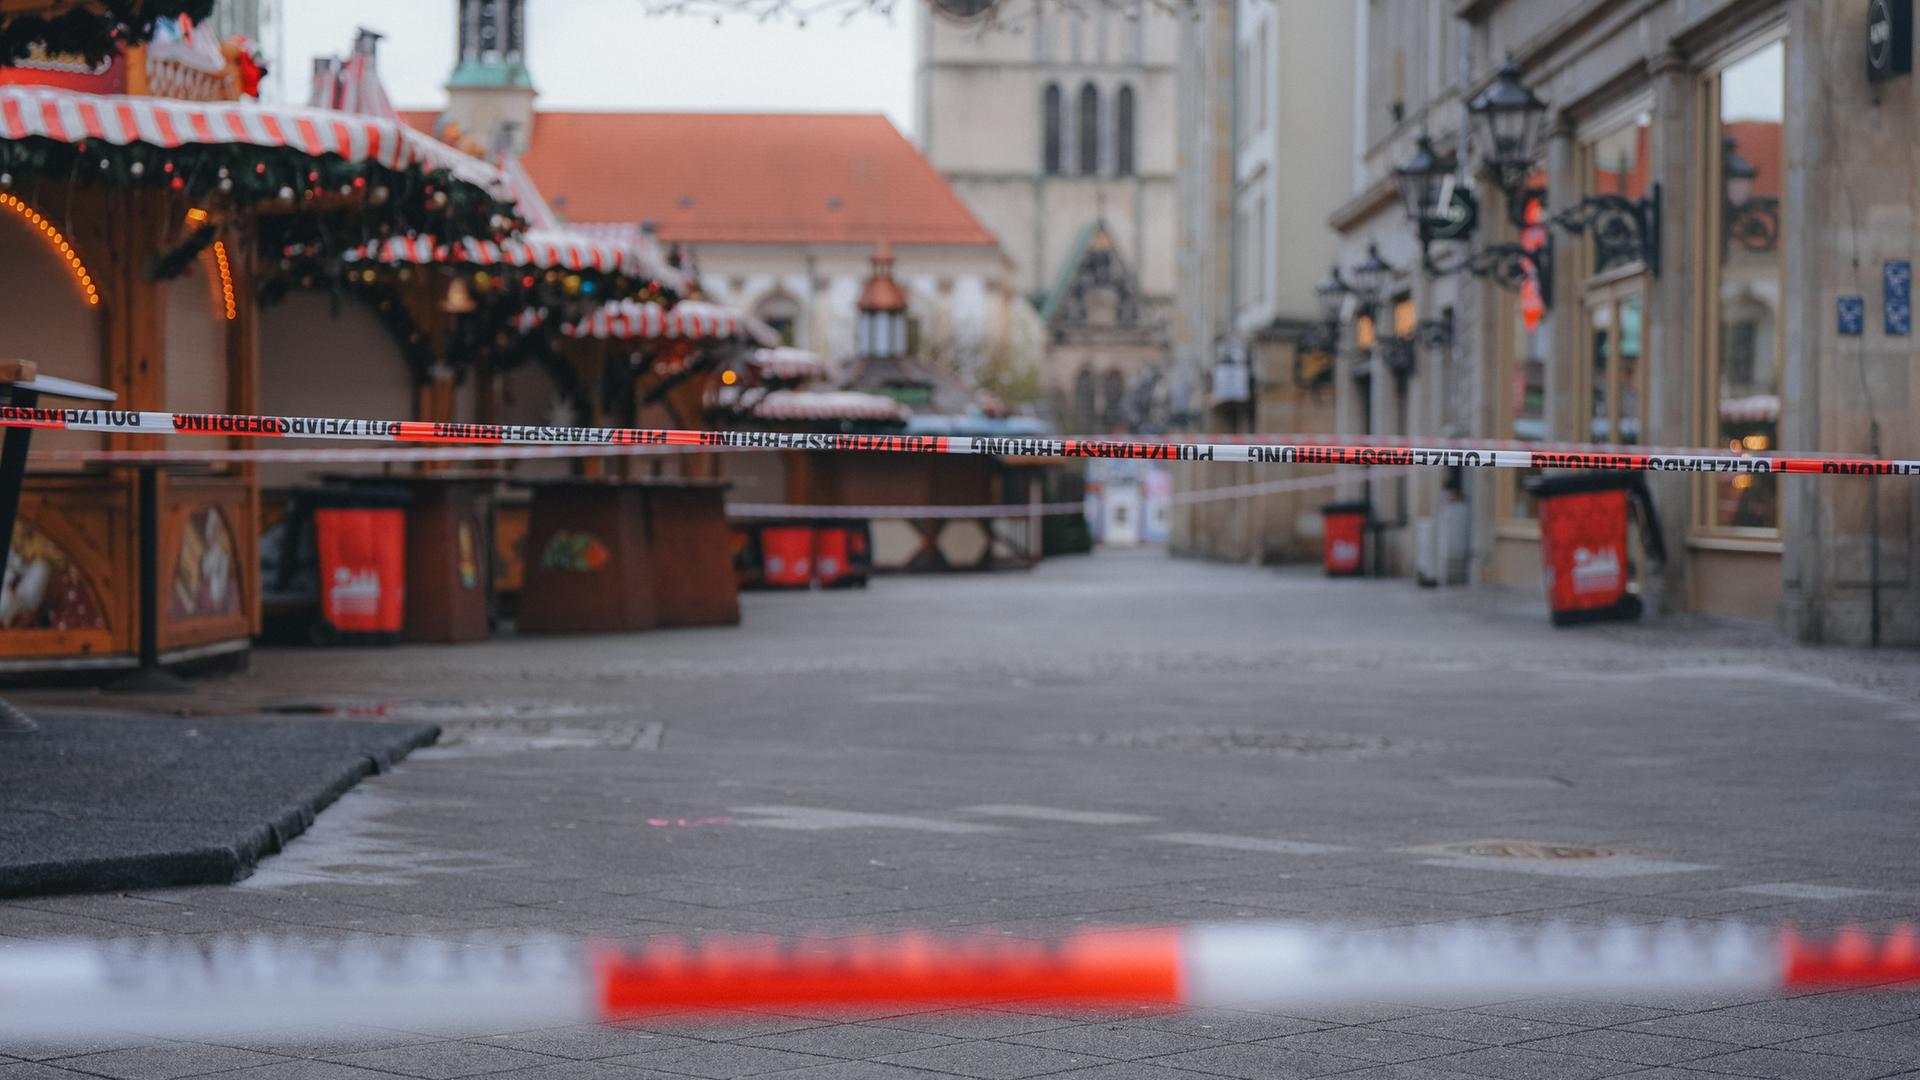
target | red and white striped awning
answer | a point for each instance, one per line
(827, 405)
(692, 320)
(69, 116)
(786, 362)
(537, 249)
(645, 246)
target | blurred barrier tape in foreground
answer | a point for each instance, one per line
(201, 987)
(424, 431)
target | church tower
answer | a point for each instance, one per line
(1048, 118)
(490, 94)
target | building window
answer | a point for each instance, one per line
(1617, 163)
(1258, 242)
(1259, 102)
(782, 313)
(1616, 378)
(1055, 126)
(1123, 132)
(1745, 167)
(1612, 378)
(1089, 130)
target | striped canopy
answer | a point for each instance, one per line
(786, 362)
(827, 405)
(535, 249)
(70, 116)
(692, 320)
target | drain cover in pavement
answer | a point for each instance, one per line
(1300, 744)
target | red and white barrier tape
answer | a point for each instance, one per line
(198, 988)
(379, 456)
(1624, 459)
(1322, 438)
(991, 510)
(1274, 487)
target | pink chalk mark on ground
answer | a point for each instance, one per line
(687, 823)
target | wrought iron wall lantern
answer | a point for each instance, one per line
(1313, 354)
(1436, 333)
(1444, 211)
(1752, 221)
(1625, 231)
(1509, 118)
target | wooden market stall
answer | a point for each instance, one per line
(131, 232)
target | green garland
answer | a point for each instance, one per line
(483, 338)
(282, 183)
(95, 30)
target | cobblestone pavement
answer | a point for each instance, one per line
(1115, 740)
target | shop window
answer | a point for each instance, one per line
(1616, 378)
(1747, 114)
(1617, 163)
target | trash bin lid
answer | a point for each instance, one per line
(1575, 483)
(357, 497)
(1350, 507)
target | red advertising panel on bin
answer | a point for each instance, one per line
(1584, 547)
(362, 567)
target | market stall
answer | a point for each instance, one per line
(130, 233)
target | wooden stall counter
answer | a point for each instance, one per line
(76, 595)
(449, 576)
(608, 555)
(694, 582)
(588, 568)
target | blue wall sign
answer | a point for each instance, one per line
(1898, 280)
(1850, 316)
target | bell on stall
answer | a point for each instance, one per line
(459, 301)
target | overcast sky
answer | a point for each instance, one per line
(607, 54)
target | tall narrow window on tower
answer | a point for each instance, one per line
(1123, 132)
(1089, 130)
(1052, 151)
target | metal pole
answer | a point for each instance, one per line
(1873, 540)
(13, 471)
(150, 677)
(1036, 549)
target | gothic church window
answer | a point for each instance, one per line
(1123, 132)
(1089, 130)
(1054, 132)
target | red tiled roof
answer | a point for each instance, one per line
(745, 178)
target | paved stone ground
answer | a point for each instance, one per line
(1122, 739)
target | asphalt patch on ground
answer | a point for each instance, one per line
(102, 802)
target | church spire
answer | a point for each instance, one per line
(493, 44)
(490, 94)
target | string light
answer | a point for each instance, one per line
(57, 241)
(226, 280)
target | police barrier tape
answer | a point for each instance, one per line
(1623, 459)
(199, 987)
(526, 451)
(1021, 510)
(373, 456)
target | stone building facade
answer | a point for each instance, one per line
(1752, 300)
(1266, 147)
(1056, 124)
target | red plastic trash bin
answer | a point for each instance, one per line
(360, 540)
(842, 554)
(1583, 543)
(786, 556)
(1344, 526)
